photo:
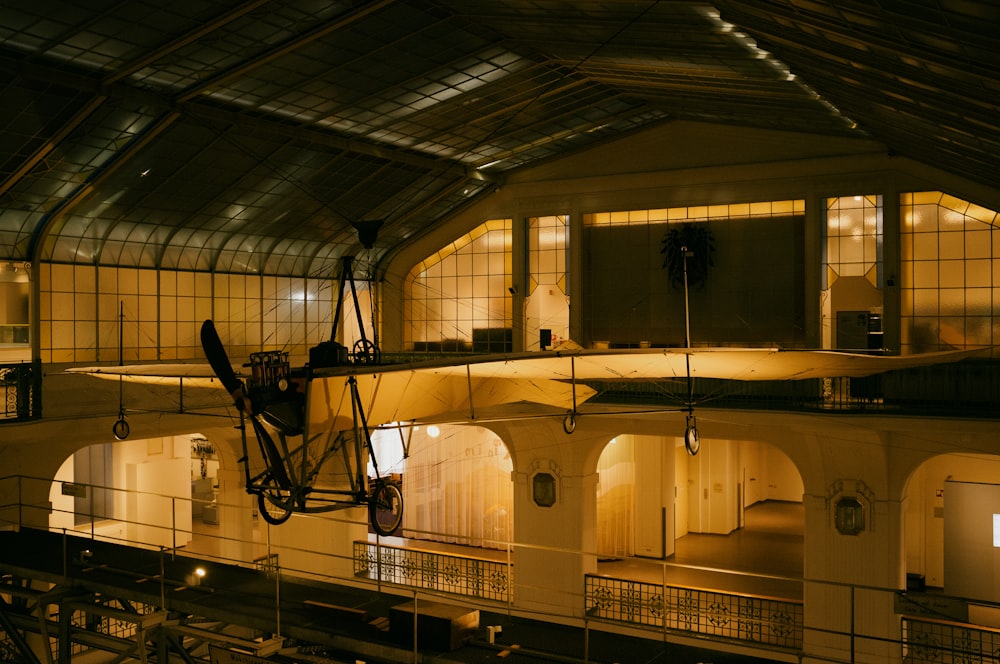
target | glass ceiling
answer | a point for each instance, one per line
(249, 136)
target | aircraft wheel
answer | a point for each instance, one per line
(385, 507)
(120, 428)
(274, 509)
(692, 441)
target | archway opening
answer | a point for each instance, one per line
(952, 526)
(155, 492)
(656, 501)
(456, 480)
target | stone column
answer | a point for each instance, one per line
(854, 558)
(555, 503)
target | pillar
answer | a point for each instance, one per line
(555, 504)
(236, 522)
(854, 557)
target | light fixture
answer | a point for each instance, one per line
(193, 579)
(433, 431)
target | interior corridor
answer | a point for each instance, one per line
(764, 557)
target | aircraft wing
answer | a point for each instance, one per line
(722, 363)
(397, 395)
(420, 390)
(415, 391)
(192, 375)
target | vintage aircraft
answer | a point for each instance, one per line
(313, 424)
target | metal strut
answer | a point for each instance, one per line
(569, 422)
(366, 350)
(359, 417)
(385, 499)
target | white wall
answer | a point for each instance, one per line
(783, 481)
(156, 474)
(682, 490)
(972, 540)
(715, 474)
(654, 496)
(925, 504)
(155, 516)
(63, 507)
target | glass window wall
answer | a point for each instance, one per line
(458, 298)
(949, 273)
(547, 299)
(852, 297)
(103, 314)
(751, 293)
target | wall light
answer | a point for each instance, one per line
(194, 578)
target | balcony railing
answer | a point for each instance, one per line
(21, 389)
(927, 641)
(763, 620)
(431, 570)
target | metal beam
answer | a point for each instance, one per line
(13, 631)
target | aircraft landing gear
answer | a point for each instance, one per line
(274, 506)
(385, 507)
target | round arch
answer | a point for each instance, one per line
(457, 482)
(161, 491)
(651, 492)
(950, 525)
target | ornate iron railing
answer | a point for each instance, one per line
(21, 389)
(763, 620)
(430, 570)
(928, 641)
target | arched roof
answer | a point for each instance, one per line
(253, 136)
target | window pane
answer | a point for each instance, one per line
(447, 296)
(966, 250)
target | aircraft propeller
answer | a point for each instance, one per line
(215, 352)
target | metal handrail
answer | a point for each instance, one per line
(20, 391)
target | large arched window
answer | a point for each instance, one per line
(458, 299)
(949, 282)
